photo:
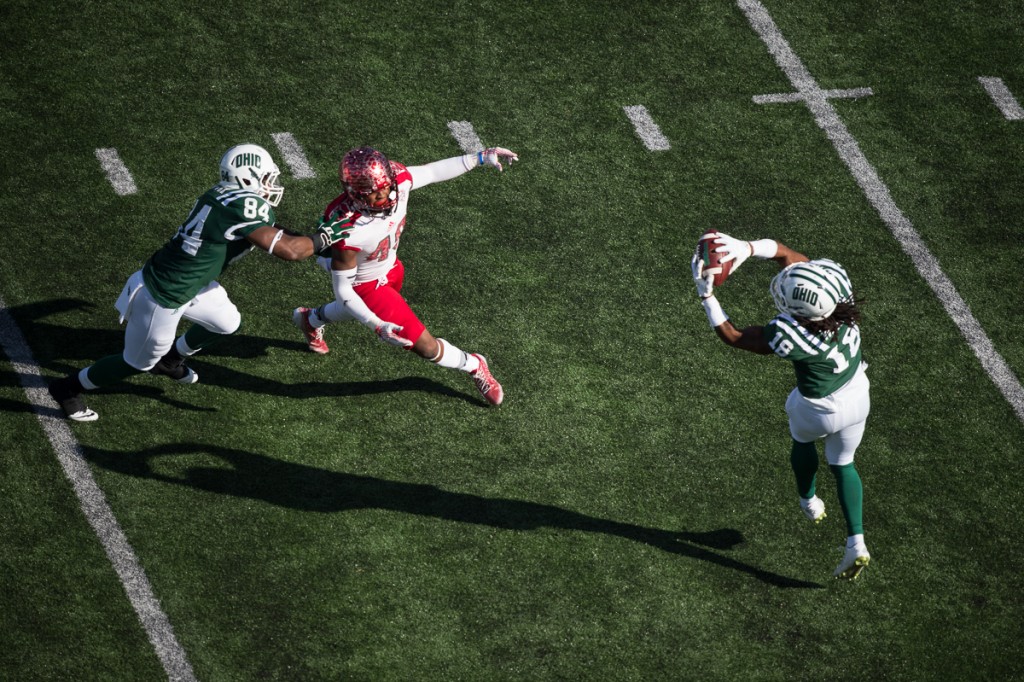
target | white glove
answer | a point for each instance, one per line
(734, 249)
(705, 283)
(388, 333)
(492, 156)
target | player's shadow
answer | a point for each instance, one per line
(83, 346)
(297, 486)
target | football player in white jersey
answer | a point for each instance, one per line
(180, 279)
(817, 329)
(365, 270)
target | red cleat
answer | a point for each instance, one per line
(489, 387)
(314, 335)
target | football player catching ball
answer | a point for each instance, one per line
(365, 270)
(179, 280)
(817, 330)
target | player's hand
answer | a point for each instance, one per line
(492, 156)
(733, 249)
(388, 333)
(328, 233)
(705, 283)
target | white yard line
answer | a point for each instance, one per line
(878, 194)
(93, 503)
(293, 155)
(646, 129)
(786, 97)
(117, 173)
(1004, 99)
(464, 134)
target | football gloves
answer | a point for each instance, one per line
(388, 333)
(492, 156)
(705, 283)
(327, 233)
(733, 249)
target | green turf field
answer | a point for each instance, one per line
(629, 513)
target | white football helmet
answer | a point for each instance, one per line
(811, 290)
(251, 167)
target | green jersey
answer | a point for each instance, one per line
(211, 238)
(823, 364)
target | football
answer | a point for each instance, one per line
(712, 261)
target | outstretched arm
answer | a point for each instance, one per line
(750, 338)
(288, 245)
(447, 169)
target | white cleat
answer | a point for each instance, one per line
(814, 508)
(854, 561)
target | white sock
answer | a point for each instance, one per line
(182, 347)
(855, 541)
(449, 355)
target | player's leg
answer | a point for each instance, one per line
(853, 406)
(839, 450)
(805, 426)
(388, 304)
(214, 317)
(311, 321)
(149, 334)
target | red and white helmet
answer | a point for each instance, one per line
(365, 171)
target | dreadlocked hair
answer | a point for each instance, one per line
(846, 313)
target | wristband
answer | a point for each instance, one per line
(480, 158)
(764, 248)
(716, 316)
(277, 238)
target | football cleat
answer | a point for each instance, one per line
(173, 366)
(488, 386)
(854, 561)
(314, 335)
(814, 508)
(71, 402)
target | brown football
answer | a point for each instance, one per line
(713, 261)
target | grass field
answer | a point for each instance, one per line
(629, 512)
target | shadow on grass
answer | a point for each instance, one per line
(306, 488)
(89, 345)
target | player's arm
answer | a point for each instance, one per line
(447, 169)
(737, 251)
(288, 245)
(343, 276)
(750, 338)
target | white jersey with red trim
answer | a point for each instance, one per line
(373, 238)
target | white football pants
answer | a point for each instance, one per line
(838, 418)
(152, 328)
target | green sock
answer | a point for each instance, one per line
(109, 370)
(804, 460)
(851, 497)
(198, 337)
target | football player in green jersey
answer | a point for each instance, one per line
(180, 279)
(817, 330)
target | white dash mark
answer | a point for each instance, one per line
(93, 503)
(293, 155)
(117, 172)
(785, 97)
(1003, 98)
(646, 128)
(878, 194)
(464, 134)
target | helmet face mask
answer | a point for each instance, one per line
(250, 167)
(365, 172)
(811, 290)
